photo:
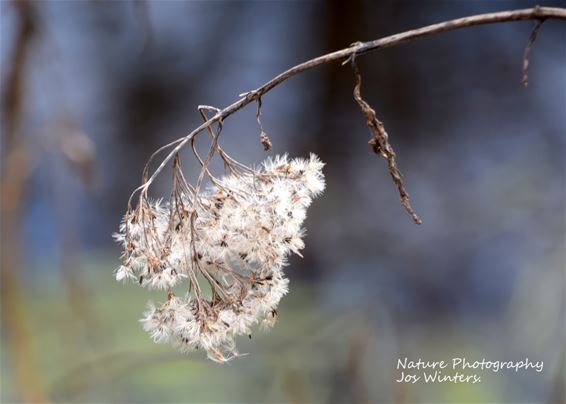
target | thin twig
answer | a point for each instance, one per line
(380, 141)
(535, 13)
(532, 39)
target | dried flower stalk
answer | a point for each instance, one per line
(230, 243)
(380, 142)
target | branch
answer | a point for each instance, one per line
(357, 49)
(532, 39)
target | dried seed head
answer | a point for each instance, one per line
(265, 142)
(230, 242)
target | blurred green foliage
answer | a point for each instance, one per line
(314, 354)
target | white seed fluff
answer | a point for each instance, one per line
(230, 242)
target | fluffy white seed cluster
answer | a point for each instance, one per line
(231, 244)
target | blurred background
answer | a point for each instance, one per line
(91, 88)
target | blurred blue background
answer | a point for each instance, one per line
(91, 88)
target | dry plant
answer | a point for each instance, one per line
(230, 236)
